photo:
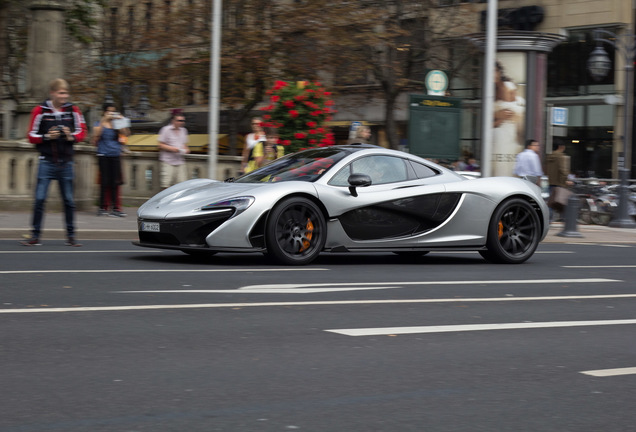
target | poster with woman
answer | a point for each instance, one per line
(509, 111)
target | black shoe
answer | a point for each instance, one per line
(102, 212)
(31, 242)
(71, 242)
(117, 213)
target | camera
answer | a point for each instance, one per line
(60, 129)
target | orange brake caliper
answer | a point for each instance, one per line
(500, 229)
(306, 241)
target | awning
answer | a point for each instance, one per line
(198, 143)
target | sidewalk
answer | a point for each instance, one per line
(16, 225)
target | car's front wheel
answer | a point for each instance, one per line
(513, 234)
(296, 231)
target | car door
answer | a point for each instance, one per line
(398, 203)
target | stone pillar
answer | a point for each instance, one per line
(45, 51)
(45, 57)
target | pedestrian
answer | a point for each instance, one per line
(528, 163)
(109, 148)
(55, 126)
(558, 171)
(173, 146)
(265, 152)
(362, 135)
(251, 139)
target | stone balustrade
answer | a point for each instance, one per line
(19, 163)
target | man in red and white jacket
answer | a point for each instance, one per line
(55, 127)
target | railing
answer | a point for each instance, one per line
(19, 163)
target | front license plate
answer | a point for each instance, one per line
(150, 226)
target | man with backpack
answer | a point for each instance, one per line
(55, 126)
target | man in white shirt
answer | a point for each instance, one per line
(173, 146)
(528, 163)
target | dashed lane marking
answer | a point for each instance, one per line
(611, 372)
(383, 331)
(601, 266)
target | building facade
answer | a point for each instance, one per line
(153, 56)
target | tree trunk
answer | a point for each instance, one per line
(390, 124)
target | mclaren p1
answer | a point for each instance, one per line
(352, 198)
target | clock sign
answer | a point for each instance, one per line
(436, 83)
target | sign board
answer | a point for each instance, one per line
(559, 116)
(434, 126)
(436, 82)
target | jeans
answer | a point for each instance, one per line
(63, 173)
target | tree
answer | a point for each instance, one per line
(299, 111)
(380, 47)
(80, 21)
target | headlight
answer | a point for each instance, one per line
(239, 204)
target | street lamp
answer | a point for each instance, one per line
(599, 65)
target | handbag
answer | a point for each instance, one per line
(559, 197)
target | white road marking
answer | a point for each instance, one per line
(306, 303)
(474, 327)
(232, 270)
(601, 266)
(352, 286)
(458, 282)
(611, 372)
(263, 291)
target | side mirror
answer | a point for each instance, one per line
(358, 180)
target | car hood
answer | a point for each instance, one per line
(184, 199)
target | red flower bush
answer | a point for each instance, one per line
(300, 113)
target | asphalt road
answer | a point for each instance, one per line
(111, 337)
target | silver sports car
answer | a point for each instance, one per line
(356, 198)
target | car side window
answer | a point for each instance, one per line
(381, 169)
(422, 171)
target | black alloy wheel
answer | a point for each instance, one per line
(513, 233)
(296, 231)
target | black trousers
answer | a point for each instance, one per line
(109, 171)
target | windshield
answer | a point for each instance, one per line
(307, 166)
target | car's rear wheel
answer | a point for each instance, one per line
(513, 234)
(296, 231)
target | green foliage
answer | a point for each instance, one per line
(300, 111)
(81, 17)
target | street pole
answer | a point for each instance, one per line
(488, 89)
(214, 94)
